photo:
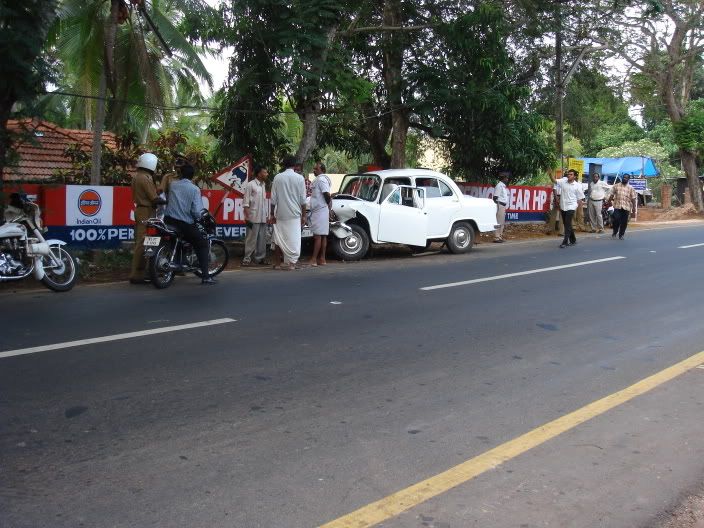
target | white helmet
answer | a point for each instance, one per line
(147, 161)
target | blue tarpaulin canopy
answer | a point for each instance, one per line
(633, 166)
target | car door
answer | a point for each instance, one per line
(402, 217)
(442, 205)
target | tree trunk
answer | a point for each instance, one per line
(106, 75)
(309, 116)
(98, 125)
(309, 111)
(376, 129)
(393, 79)
(398, 139)
(689, 164)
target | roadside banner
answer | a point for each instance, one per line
(528, 204)
(87, 216)
(98, 216)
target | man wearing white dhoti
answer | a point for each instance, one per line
(320, 205)
(288, 212)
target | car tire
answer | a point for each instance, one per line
(461, 238)
(354, 246)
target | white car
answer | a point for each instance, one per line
(406, 206)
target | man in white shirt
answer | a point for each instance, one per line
(501, 198)
(288, 213)
(597, 192)
(571, 197)
(256, 215)
(320, 206)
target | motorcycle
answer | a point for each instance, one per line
(168, 254)
(24, 251)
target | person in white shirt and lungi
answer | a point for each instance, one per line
(320, 206)
(288, 213)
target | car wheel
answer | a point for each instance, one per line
(461, 238)
(354, 246)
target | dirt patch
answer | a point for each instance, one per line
(686, 212)
(689, 514)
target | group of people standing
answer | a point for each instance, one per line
(289, 207)
(294, 202)
(570, 197)
(568, 201)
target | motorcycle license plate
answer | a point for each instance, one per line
(152, 241)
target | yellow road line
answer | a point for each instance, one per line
(414, 495)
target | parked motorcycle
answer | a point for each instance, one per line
(24, 251)
(167, 253)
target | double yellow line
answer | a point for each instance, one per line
(407, 498)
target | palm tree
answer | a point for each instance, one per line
(136, 53)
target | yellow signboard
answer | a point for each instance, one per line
(577, 165)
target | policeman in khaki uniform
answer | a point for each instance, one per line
(166, 181)
(146, 199)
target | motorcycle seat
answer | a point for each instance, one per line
(171, 229)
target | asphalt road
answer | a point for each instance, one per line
(333, 388)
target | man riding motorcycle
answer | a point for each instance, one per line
(182, 211)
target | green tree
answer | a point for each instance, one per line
(23, 69)
(473, 101)
(663, 40)
(595, 114)
(125, 55)
(286, 53)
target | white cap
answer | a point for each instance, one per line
(147, 161)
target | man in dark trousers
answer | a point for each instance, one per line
(623, 198)
(571, 197)
(182, 211)
(146, 199)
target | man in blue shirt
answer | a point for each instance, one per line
(182, 211)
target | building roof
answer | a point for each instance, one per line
(41, 148)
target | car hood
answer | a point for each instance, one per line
(346, 208)
(481, 203)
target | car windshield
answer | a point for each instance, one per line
(362, 186)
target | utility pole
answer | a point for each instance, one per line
(559, 87)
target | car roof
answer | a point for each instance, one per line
(390, 173)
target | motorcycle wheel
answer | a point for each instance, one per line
(160, 272)
(218, 258)
(60, 279)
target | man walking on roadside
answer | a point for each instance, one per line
(146, 199)
(255, 214)
(571, 197)
(596, 192)
(501, 198)
(288, 213)
(623, 197)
